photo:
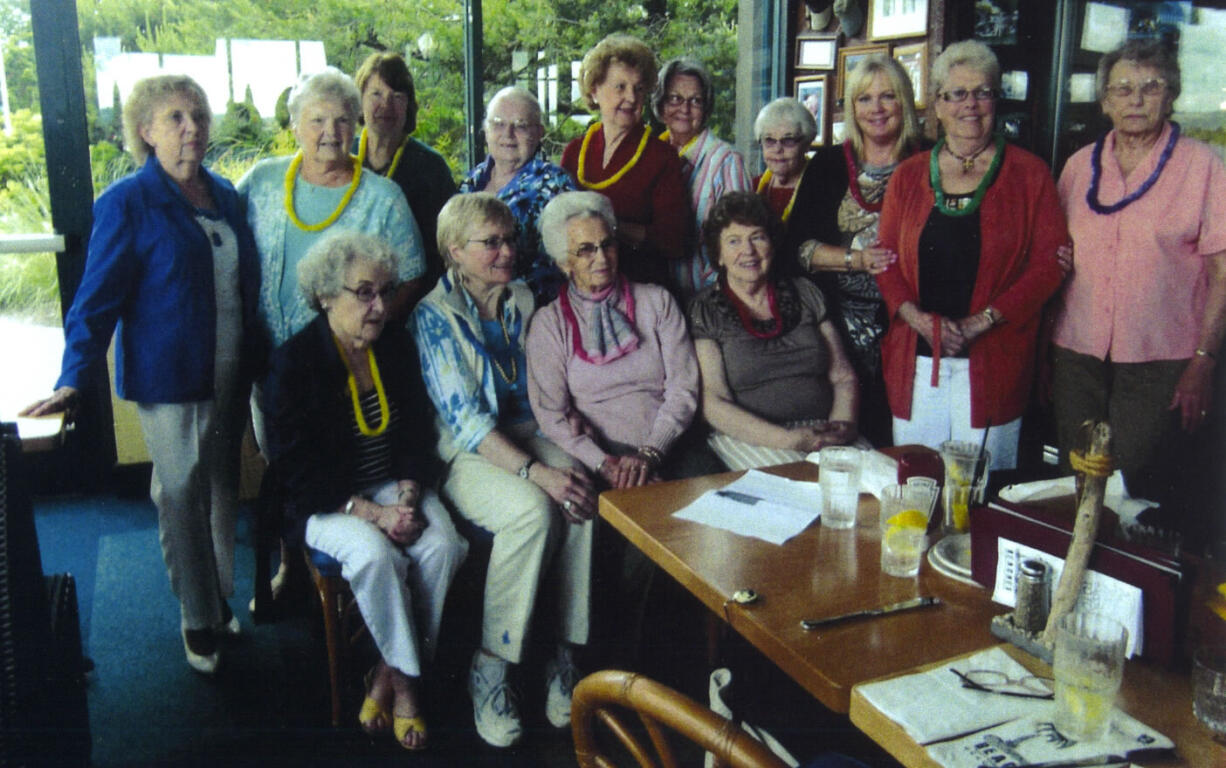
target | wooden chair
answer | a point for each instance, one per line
(597, 695)
(343, 625)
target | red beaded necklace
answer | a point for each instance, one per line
(853, 181)
(747, 319)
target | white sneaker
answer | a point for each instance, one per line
(495, 703)
(561, 676)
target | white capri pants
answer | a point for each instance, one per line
(397, 588)
(943, 413)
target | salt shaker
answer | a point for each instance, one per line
(1033, 596)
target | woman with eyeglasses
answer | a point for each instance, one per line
(502, 474)
(385, 146)
(618, 157)
(1139, 331)
(345, 445)
(612, 376)
(976, 225)
(840, 199)
(518, 173)
(784, 129)
(683, 102)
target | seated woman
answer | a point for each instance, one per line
(502, 475)
(612, 376)
(776, 383)
(342, 442)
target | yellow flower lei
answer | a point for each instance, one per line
(395, 158)
(587, 138)
(292, 173)
(765, 181)
(688, 145)
(384, 410)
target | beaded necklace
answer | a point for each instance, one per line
(292, 172)
(587, 139)
(395, 158)
(1096, 173)
(765, 182)
(506, 339)
(384, 410)
(934, 178)
(747, 319)
(853, 181)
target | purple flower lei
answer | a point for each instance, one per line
(1096, 169)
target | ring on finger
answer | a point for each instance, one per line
(568, 505)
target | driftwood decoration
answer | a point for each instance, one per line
(1093, 465)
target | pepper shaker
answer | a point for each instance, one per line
(1033, 596)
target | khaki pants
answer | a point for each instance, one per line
(533, 544)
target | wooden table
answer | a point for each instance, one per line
(1159, 698)
(820, 572)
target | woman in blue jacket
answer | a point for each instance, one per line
(172, 268)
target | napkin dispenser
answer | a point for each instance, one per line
(1048, 526)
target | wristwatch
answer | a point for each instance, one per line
(523, 471)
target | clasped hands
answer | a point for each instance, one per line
(402, 522)
(818, 436)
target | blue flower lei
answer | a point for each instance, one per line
(1096, 169)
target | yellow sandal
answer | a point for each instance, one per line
(372, 716)
(403, 726)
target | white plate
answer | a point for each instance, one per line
(952, 554)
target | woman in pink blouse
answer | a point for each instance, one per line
(1144, 311)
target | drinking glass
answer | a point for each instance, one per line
(1088, 667)
(839, 476)
(904, 528)
(961, 458)
(1209, 687)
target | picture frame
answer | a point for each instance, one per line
(810, 90)
(996, 22)
(892, 19)
(815, 51)
(849, 57)
(914, 59)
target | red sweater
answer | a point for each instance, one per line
(1021, 225)
(652, 193)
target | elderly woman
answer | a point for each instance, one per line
(386, 147)
(1140, 329)
(836, 237)
(518, 173)
(345, 433)
(502, 475)
(776, 383)
(292, 202)
(171, 259)
(617, 158)
(683, 102)
(610, 357)
(784, 129)
(976, 225)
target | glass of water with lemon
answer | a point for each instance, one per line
(1088, 667)
(904, 528)
(961, 490)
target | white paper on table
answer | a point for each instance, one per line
(781, 508)
(1099, 594)
(1036, 740)
(933, 706)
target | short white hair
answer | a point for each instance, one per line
(565, 207)
(328, 84)
(515, 93)
(786, 111)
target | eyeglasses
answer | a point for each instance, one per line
(366, 292)
(676, 100)
(787, 142)
(588, 250)
(498, 125)
(959, 95)
(991, 681)
(495, 243)
(1124, 89)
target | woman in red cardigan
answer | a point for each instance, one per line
(619, 158)
(976, 225)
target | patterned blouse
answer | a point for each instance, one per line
(710, 167)
(526, 194)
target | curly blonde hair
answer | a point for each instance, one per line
(147, 95)
(622, 49)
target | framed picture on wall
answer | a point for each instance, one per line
(914, 59)
(811, 92)
(815, 51)
(892, 19)
(850, 57)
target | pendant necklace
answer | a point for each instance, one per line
(934, 178)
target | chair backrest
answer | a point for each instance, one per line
(600, 695)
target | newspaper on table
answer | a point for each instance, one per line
(967, 728)
(760, 505)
